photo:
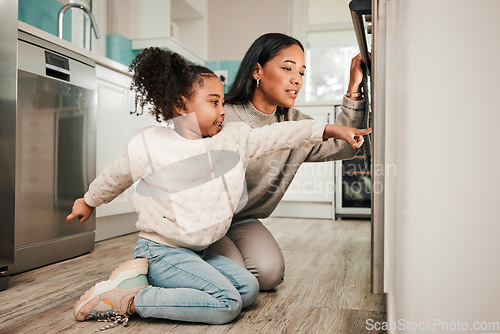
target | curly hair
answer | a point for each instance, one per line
(162, 78)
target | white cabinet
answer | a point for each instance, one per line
(178, 25)
(189, 26)
(311, 193)
(116, 121)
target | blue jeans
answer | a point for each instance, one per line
(192, 286)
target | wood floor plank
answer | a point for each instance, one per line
(326, 287)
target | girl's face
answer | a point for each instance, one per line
(280, 79)
(207, 105)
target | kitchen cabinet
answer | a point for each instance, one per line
(178, 25)
(113, 129)
(189, 26)
(311, 193)
(117, 120)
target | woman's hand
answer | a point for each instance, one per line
(352, 136)
(356, 76)
(81, 210)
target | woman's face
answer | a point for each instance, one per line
(280, 78)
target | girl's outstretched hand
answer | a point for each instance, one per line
(81, 210)
(352, 136)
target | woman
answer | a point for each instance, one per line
(264, 91)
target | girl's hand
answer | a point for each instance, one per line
(352, 136)
(81, 210)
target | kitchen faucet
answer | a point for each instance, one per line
(85, 9)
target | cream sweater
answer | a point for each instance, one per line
(188, 190)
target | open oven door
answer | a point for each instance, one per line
(368, 17)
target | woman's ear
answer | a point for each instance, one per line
(257, 72)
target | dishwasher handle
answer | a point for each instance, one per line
(57, 66)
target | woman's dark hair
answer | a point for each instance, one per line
(265, 48)
(162, 78)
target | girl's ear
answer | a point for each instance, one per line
(180, 108)
(257, 72)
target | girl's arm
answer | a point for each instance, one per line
(299, 134)
(282, 136)
(110, 183)
(352, 136)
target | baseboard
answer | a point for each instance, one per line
(108, 227)
(314, 210)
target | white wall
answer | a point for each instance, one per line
(442, 207)
(233, 25)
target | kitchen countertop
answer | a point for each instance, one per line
(98, 59)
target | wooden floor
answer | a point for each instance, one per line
(326, 287)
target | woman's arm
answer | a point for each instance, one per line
(355, 79)
(352, 115)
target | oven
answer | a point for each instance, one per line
(368, 17)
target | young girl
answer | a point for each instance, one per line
(189, 183)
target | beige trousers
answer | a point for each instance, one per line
(252, 245)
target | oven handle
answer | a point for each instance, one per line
(375, 10)
(358, 9)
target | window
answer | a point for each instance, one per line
(328, 59)
(325, 29)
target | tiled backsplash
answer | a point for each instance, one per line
(42, 14)
(231, 66)
(119, 49)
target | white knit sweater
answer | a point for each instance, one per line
(188, 190)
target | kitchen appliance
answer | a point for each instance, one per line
(371, 21)
(352, 185)
(8, 84)
(55, 152)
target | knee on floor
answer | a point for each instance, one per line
(270, 274)
(228, 313)
(252, 292)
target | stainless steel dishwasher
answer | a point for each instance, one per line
(55, 152)
(8, 93)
